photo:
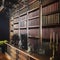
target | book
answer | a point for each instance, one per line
(23, 23)
(24, 31)
(52, 8)
(45, 33)
(34, 32)
(34, 22)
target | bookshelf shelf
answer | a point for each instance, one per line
(16, 28)
(34, 17)
(33, 37)
(32, 27)
(22, 27)
(15, 22)
(51, 26)
(51, 13)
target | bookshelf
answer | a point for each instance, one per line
(23, 23)
(28, 22)
(51, 23)
(33, 23)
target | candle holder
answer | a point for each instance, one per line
(53, 44)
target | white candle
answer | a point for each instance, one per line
(50, 38)
(53, 37)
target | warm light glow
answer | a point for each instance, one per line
(1, 8)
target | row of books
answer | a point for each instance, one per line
(23, 23)
(24, 17)
(24, 31)
(47, 31)
(50, 8)
(31, 32)
(33, 22)
(33, 14)
(34, 33)
(51, 19)
(46, 2)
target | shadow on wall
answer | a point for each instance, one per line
(4, 27)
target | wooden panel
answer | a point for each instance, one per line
(13, 55)
(13, 51)
(22, 56)
(34, 5)
(51, 19)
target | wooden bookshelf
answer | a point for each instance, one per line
(28, 22)
(48, 2)
(51, 22)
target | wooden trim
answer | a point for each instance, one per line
(30, 54)
(32, 2)
(25, 5)
(34, 17)
(26, 53)
(29, 4)
(8, 56)
(23, 14)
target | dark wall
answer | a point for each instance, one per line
(4, 26)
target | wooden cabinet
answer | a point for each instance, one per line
(50, 24)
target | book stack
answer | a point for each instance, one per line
(52, 8)
(51, 19)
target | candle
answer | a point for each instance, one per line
(50, 40)
(57, 39)
(53, 37)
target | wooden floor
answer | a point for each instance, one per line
(3, 56)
